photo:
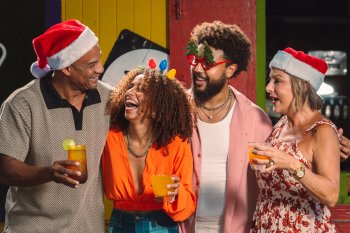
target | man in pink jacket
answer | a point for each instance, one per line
(225, 185)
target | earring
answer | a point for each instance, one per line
(153, 115)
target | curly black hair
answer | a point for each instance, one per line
(227, 37)
(166, 102)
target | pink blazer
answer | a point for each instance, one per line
(249, 123)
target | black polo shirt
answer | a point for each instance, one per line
(54, 100)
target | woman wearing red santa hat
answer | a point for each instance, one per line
(301, 178)
(68, 101)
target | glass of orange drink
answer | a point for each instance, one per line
(253, 156)
(159, 185)
(78, 153)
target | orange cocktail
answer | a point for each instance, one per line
(253, 156)
(78, 153)
(159, 185)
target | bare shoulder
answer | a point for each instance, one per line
(324, 132)
(325, 140)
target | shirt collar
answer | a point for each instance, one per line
(54, 100)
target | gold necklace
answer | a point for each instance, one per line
(133, 152)
(210, 117)
(229, 96)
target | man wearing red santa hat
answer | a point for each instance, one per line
(67, 101)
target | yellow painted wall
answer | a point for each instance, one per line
(107, 18)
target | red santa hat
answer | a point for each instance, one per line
(301, 65)
(61, 45)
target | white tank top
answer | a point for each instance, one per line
(211, 200)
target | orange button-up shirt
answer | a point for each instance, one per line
(119, 185)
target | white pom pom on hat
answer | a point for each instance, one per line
(60, 46)
(301, 65)
(37, 71)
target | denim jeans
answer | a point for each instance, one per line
(152, 222)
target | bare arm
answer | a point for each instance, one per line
(16, 173)
(323, 181)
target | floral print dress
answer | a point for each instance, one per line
(283, 204)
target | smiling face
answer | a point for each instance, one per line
(134, 97)
(280, 91)
(208, 83)
(86, 70)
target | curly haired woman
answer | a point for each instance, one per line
(151, 123)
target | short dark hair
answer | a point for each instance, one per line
(228, 38)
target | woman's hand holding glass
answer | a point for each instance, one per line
(171, 188)
(277, 159)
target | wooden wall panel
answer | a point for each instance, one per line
(107, 18)
(91, 15)
(73, 9)
(125, 15)
(142, 17)
(159, 22)
(108, 26)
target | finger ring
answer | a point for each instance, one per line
(271, 162)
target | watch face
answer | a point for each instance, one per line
(300, 173)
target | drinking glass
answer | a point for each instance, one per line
(78, 153)
(253, 156)
(159, 185)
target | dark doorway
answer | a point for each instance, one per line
(20, 22)
(314, 25)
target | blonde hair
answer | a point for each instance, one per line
(304, 92)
